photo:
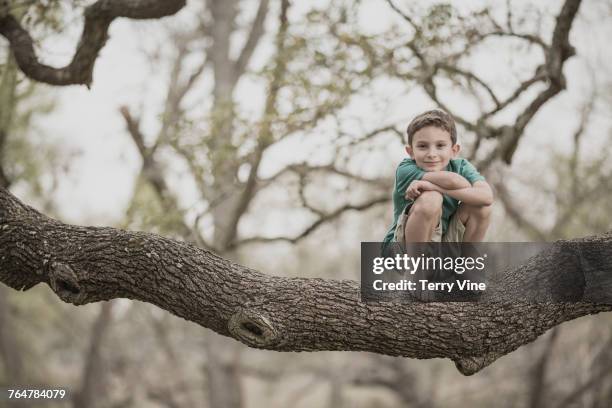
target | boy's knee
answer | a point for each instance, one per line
(481, 212)
(484, 212)
(428, 205)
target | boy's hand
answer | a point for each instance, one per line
(417, 187)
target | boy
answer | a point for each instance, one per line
(438, 197)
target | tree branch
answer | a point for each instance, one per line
(152, 172)
(517, 92)
(470, 76)
(90, 264)
(403, 15)
(373, 133)
(517, 216)
(257, 30)
(303, 169)
(534, 39)
(133, 127)
(559, 51)
(551, 71)
(177, 89)
(98, 18)
(264, 138)
(429, 85)
(323, 218)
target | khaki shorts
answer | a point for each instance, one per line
(454, 232)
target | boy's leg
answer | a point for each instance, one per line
(423, 217)
(476, 220)
(419, 224)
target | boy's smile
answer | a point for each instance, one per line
(432, 148)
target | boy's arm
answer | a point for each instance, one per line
(478, 194)
(446, 180)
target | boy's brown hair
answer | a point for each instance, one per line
(436, 118)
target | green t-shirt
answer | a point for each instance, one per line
(408, 171)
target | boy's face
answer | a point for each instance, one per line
(432, 148)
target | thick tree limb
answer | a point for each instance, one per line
(98, 18)
(89, 264)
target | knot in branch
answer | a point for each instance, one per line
(471, 365)
(252, 329)
(65, 283)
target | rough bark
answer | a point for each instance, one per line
(98, 18)
(90, 264)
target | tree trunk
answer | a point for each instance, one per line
(8, 87)
(222, 373)
(90, 264)
(538, 386)
(92, 386)
(10, 351)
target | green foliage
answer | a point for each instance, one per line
(146, 213)
(323, 63)
(26, 156)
